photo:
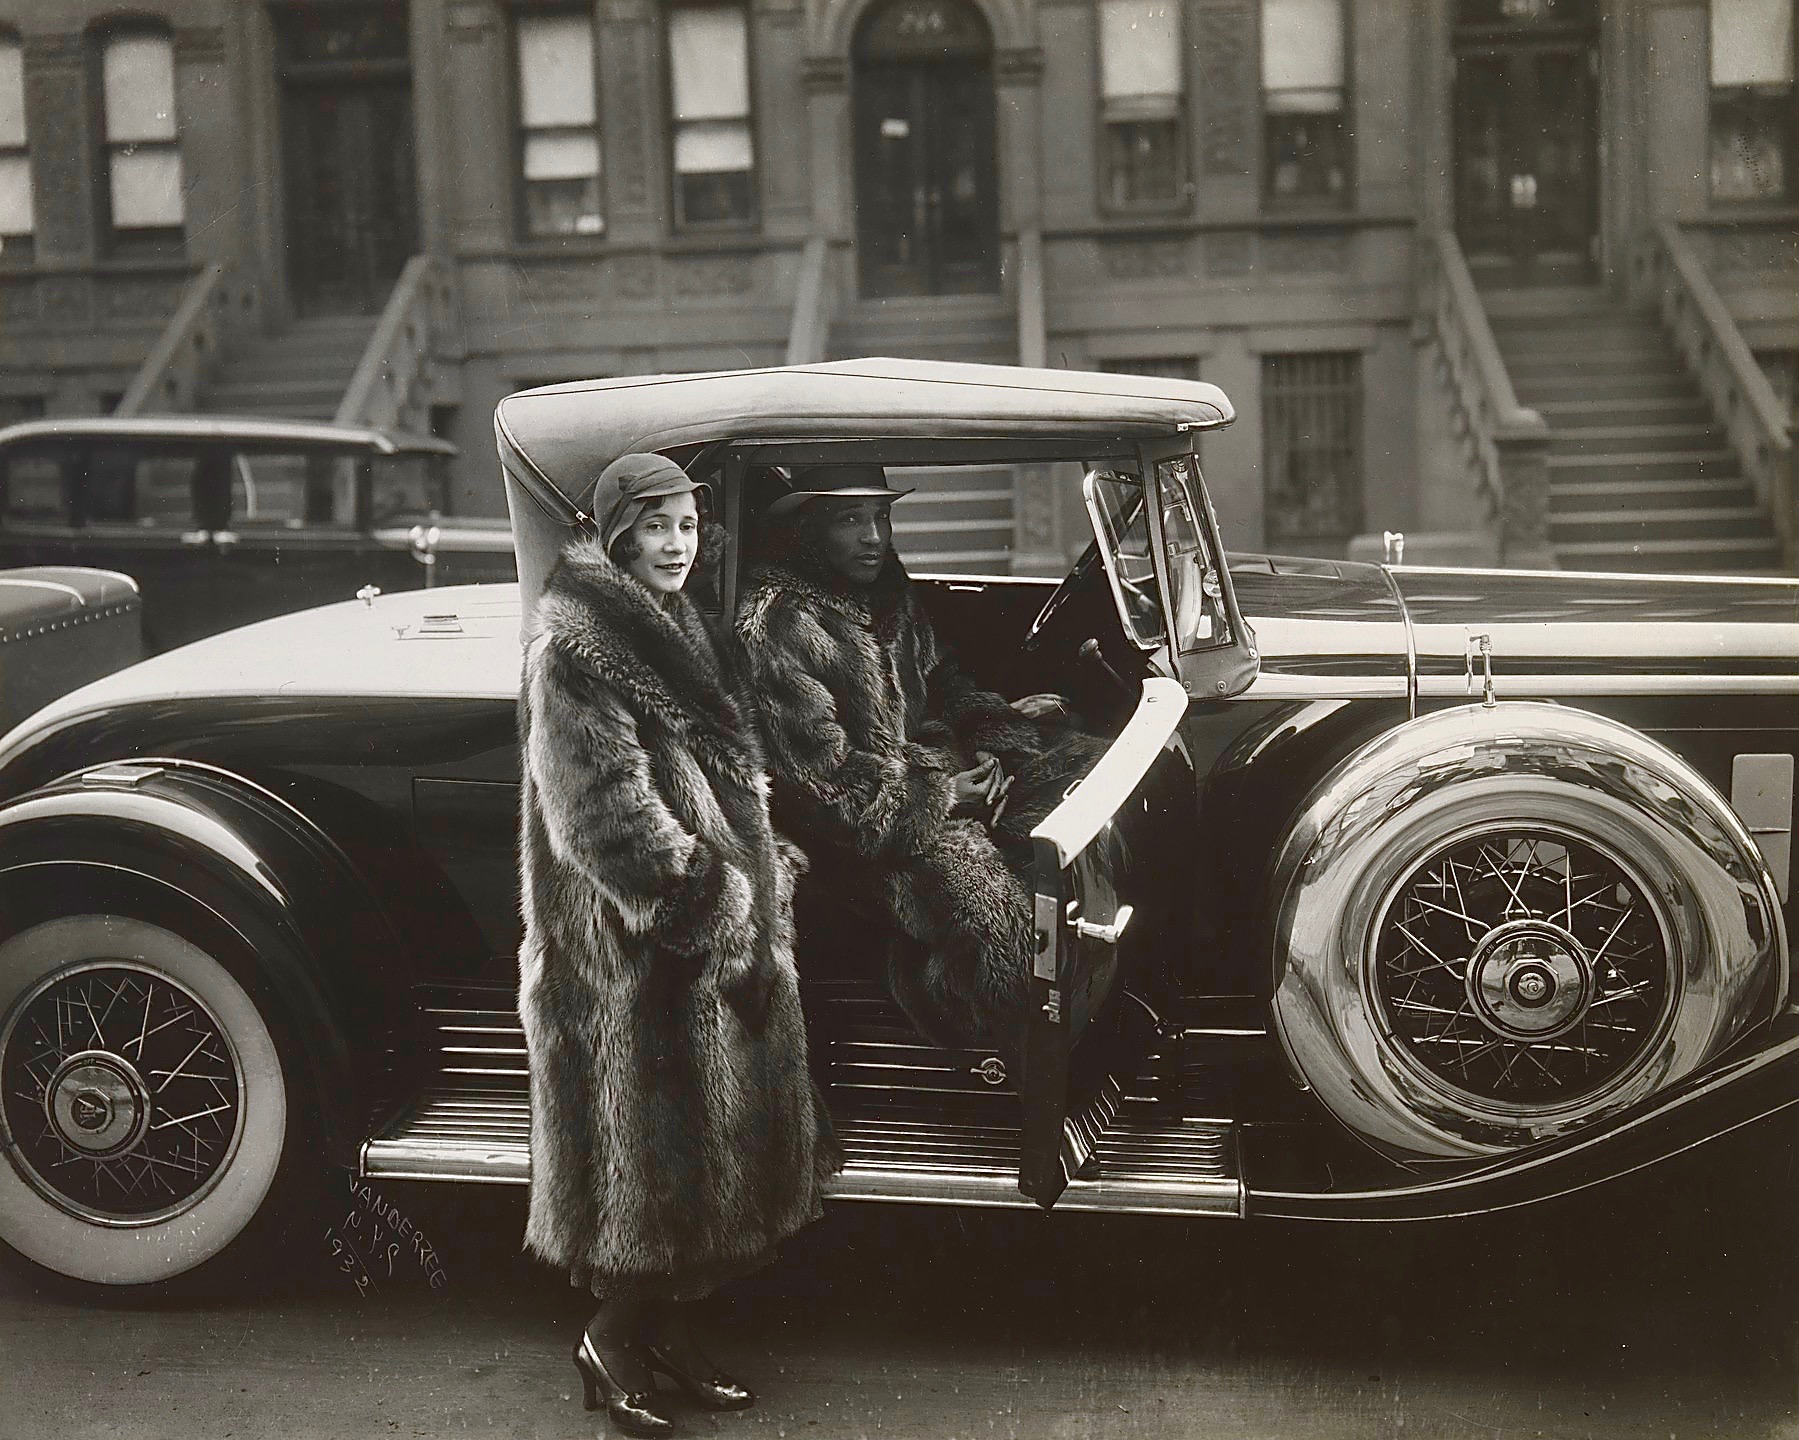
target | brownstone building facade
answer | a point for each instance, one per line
(1362, 218)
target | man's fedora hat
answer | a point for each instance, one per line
(847, 482)
(628, 483)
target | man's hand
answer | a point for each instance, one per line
(1034, 707)
(976, 788)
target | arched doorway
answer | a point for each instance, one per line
(927, 189)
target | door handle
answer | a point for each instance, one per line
(196, 538)
(1105, 934)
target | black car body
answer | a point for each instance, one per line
(1400, 893)
(223, 520)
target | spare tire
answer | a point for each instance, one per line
(1497, 924)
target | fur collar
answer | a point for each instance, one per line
(791, 564)
(657, 650)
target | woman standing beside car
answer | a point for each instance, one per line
(676, 1136)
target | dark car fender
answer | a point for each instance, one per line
(336, 971)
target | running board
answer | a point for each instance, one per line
(1149, 1165)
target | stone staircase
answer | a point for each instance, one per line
(300, 372)
(957, 520)
(1641, 476)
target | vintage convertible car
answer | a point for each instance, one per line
(1399, 893)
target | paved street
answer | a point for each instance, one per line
(1671, 1318)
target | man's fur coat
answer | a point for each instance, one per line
(867, 717)
(676, 1135)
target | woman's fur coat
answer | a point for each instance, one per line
(867, 717)
(676, 1135)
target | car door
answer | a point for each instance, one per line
(1109, 877)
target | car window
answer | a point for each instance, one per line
(1121, 524)
(293, 490)
(32, 491)
(126, 485)
(405, 488)
(1195, 589)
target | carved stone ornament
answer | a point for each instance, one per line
(1296, 252)
(627, 147)
(710, 275)
(635, 276)
(18, 300)
(67, 299)
(576, 280)
(1225, 42)
(1154, 259)
(1230, 252)
(139, 299)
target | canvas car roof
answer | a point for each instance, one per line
(246, 429)
(564, 435)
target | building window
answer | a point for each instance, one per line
(1140, 103)
(1305, 135)
(1312, 448)
(1753, 115)
(144, 193)
(709, 72)
(17, 221)
(559, 158)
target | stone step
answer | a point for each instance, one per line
(1724, 522)
(1622, 497)
(1690, 409)
(1630, 439)
(1699, 557)
(1564, 364)
(1605, 385)
(1646, 465)
(293, 390)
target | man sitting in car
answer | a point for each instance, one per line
(892, 767)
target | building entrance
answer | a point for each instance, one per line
(1526, 188)
(347, 152)
(927, 192)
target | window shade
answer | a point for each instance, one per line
(709, 60)
(15, 196)
(1302, 54)
(138, 77)
(146, 189)
(12, 96)
(712, 147)
(1139, 49)
(561, 157)
(1752, 42)
(555, 70)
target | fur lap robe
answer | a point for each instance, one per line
(676, 1136)
(866, 718)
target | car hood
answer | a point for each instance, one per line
(1331, 628)
(458, 641)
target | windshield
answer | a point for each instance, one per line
(1195, 588)
(1121, 521)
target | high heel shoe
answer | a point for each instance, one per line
(716, 1391)
(633, 1411)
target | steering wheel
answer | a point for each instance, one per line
(1059, 597)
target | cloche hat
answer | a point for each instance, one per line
(624, 487)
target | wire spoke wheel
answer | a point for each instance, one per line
(119, 1093)
(1522, 965)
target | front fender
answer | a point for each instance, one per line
(318, 942)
